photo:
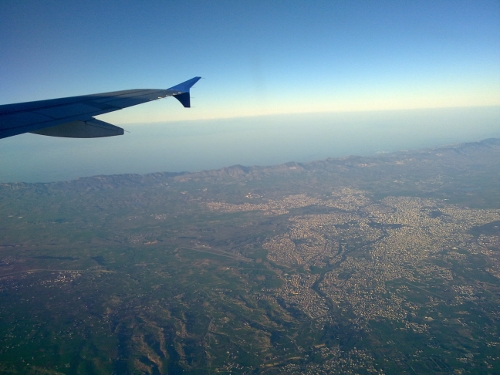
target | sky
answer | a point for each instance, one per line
(257, 58)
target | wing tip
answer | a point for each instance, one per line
(186, 85)
(184, 96)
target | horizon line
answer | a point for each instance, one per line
(312, 113)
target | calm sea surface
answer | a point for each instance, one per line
(268, 140)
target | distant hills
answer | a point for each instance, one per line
(430, 170)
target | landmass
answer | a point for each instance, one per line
(359, 265)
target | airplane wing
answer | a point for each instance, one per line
(74, 116)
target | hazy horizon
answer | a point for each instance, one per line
(262, 140)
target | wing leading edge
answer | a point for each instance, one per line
(74, 116)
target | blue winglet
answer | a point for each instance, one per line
(183, 96)
(185, 86)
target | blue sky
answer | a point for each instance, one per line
(257, 57)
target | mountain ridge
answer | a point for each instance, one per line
(444, 158)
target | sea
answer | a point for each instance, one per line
(264, 140)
